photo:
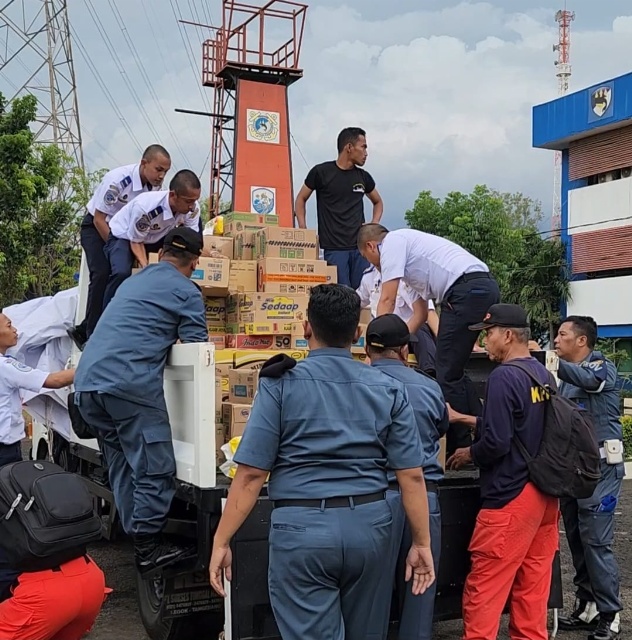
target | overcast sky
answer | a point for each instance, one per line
(444, 92)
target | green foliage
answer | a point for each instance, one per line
(477, 221)
(41, 200)
(608, 346)
(540, 282)
(501, 230)
(626, 422)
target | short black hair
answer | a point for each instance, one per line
(333, 312)
(349, 135)
(584, 326)
(154, 150)
(371, 232)
(184, 181)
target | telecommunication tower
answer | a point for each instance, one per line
(36, 58)
(563, 73)
(250, 74)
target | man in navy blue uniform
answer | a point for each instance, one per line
(589, 378)
(119, 388)
(516, 533)
(387, 340)
(326, 430)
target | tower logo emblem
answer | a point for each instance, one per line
(263, 126)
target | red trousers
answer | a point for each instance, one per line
(54, 605)
(512, 560)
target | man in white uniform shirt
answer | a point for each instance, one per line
(411, 309)
(141, 226)
(440, 270)
(117, 188)
(14, 378)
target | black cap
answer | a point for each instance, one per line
(512, 316)
(388, 331)
(184, 239)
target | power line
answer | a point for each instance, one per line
(121, 68)
(299, 150)
(586, 224)
(145, 77)
(88, 60)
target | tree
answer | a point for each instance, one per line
(479, 222)
(501, 230)
(540, 282)
(40, 200)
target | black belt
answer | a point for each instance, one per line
(474, 275)
(431, 486)
(10, 446)
(331, 503)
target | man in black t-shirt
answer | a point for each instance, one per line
(340, 187)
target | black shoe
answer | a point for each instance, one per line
(78, 337)
(152, 552)
(585, 616)
(609, 627)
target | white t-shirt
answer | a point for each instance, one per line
(15, 376)
(370, 290)
(148, 218)
(427, 263)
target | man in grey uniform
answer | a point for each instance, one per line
(119, 388)
(327, 429)
(387, 340)
(589, 379)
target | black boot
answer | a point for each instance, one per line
(152, 552)
(609, 627)
(78, 336)
(585, 616)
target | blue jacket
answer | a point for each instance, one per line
(127, 353)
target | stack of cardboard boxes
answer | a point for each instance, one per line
(256, 290)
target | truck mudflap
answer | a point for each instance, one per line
(247, 608)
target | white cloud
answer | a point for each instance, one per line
(445, 95)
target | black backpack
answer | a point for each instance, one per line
(568, 464)
(46, 515)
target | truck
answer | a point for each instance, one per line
(177, 603)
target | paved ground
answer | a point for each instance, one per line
(119, 618)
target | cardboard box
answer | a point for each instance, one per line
(272, 273)
(260, 329)
(235, 417)
(219, 244)
(297, 336)
(332, 274)
(218, 339)
(365, 316)
(360, 345)
(251, 359)
(244, 245)
(220, 439)
(216, 330)
(220, 398)
(215, 309)
(236, 222)
(258, 341)
(242, 385)
(286, 242)
(254, 307)
(243, 276)
(224, 359)
(212, 274)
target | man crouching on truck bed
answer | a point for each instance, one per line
(327, 429)
(119, 389)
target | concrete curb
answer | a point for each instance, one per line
(628, 470)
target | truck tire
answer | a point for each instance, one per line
(203, 626)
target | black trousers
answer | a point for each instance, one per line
(9, 453)
(466, 302)
(99, 268)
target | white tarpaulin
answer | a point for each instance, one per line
(44, 344)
